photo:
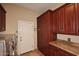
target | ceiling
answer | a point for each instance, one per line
(40, 7)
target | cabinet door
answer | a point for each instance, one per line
(3, 21)
(61, 19)
(70, 19)
(44, 32)
(77, 18)
(38, 33)
(55, 19)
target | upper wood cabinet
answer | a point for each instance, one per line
(77, 18)
(70, 19)
(2, 19)
(54, 22)
(66, 19)
(61, 21)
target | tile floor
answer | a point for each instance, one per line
(33, 53)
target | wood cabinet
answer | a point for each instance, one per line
(63, 20)
(2, 19)
(70, 19)
(54, 22)
(65, 17)
(77, 18)
(44, 31)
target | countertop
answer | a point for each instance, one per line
(67, 46)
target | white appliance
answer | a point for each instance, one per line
(25, 37)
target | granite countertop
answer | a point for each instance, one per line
(67, 46)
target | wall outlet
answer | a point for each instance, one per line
(69, 39)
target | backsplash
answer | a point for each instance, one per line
(65, 37)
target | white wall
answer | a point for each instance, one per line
(65, 37)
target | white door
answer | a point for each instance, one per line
(25, 36)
